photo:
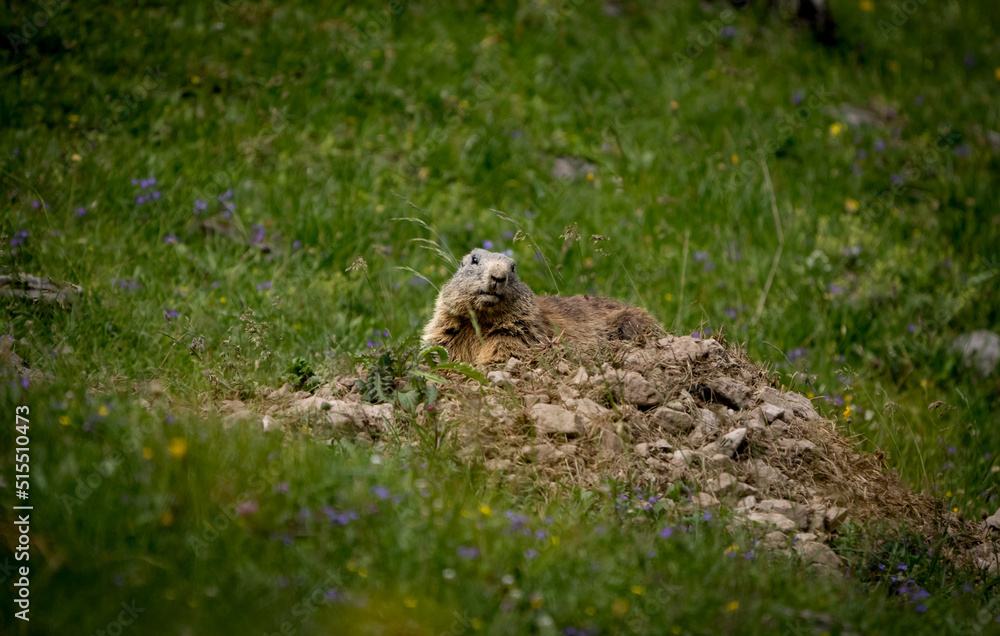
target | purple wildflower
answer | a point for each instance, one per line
(666, 532)
(468, 552)
(728, 31)
(701, 256)
(225, 196)
(487, 245)
(707, 516)
(171, 238)
(962, 150)
(296, 245)
(170, 314)
(531, 553)
(897, 179)
(797, 97)
(380, 491)
(199, 206)
(80, 211)
(879, 145)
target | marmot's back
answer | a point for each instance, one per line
(591, 319)
(510, 319)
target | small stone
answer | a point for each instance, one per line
(550, 419)
(567, 392)
(993, 521)
(816, 553)
(586, 406)
(581, 378)
(514, 366)
(728, 391)
(673, 421)
(775, 540)
(642, 450)
(501, 378)
(639, 391)
(563, 368)
(684, 457)
(721, 485)
(662, 445)
(706, 427)
(747, 503)
(284, 391)
(798, 446)
(771, 412)
(705, 500)
(772, 519)
(835, 516)
(569, 449)
(732, 440)
(536, 398)
(797, 513)
(798, 405)
(610, 442)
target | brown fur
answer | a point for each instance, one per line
(512, 320)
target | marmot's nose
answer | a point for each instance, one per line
(499, 280)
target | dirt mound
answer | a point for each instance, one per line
(675, 415)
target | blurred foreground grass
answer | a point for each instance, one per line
(191, 163)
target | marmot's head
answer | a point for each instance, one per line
(486, 283)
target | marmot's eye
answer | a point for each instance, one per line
(475, 260)
(513, 266)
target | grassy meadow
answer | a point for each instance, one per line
(211, 173)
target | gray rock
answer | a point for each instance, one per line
(536, 398)
(567, 392)
(706, 427)
(514, 366)
(993, 521)
(746, 504)
(642, 450)
(979, 349)
(728, 391)
(586, 406)
(731, 441)
(775, 540)
(581, 378)
(816, 553)
(610, 442)
(551, 420)
(685, 348)
(639, 391)
(673, 421)
(501, 378)
(798, 405)
(721, 485)
(796, 513)
(705, 500)
(835, 517)
(781, 522)
(771, 412)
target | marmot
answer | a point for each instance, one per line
(512, 319)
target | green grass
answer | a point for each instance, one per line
(454, 115)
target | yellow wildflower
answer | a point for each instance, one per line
(178, 447)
